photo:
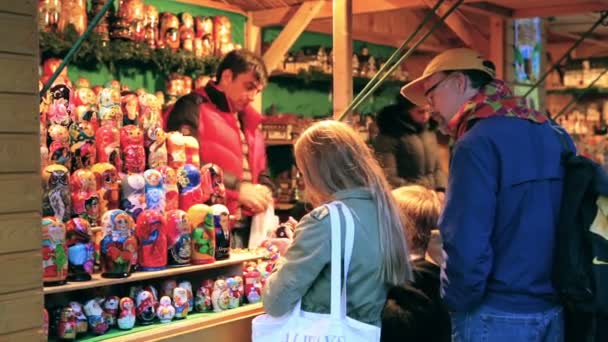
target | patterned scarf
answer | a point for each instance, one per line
(495, 99)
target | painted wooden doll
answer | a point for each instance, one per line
(132, 146)
(73, 12)
(94, 312)
(60, 108)
(189, 182)
(169, 31)
(154, 293)
(167, 287)
(107, 141)
(126, 316)
(106, 177)
(54, 252)
(82, 325)
(170, 186)
(222, 231)
(49, 12)
(56, 198)
(110, 310)
(150, 25)
(176, 150)
(202, 300)
(82, 145)
(85, 103)
(150, 111)
(235, 295)
(150, 232)
(145, 308)
(109, 107)
(118, 246)
(165, 311)
(156, 146)
(45, 324)
(133, 199)
(182, 305)
(66, 329)
(130, 108)
(220, 296)
(85, 198)
(80, 249)
(192, 151)
(188, 287)
(212, 184)
(155, 193)
(44, 149)
(203, 234)
(59, 147)
(253, 283)
(241, 287)
(186, 31)
(179, 238)
(223, 35)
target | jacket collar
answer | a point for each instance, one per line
(360, 193)
(249, 116)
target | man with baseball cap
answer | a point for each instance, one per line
(502, 203)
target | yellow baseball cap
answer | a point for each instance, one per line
(449, 60)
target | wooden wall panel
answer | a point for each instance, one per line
(23, 7)
(19, 153)
(25, 335)
(19, 232)
(19, 74)
(20, 271)
(20, 311)
(20, 193)
(19, 34)
(19, 113)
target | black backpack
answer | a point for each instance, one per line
(580, 269)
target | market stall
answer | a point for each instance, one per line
(105, 109)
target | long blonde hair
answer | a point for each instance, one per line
(333, 157)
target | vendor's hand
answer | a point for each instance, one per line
(255, 197)
(282, 244)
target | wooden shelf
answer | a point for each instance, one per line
(99, 281)
(279, 142)
(284, 206)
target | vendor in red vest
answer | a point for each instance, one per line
(221, 117)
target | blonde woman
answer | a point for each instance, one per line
(337, 165)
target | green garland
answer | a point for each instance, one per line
(95, 51)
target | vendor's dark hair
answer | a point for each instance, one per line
(242, 61)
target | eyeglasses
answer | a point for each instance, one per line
(429, 91)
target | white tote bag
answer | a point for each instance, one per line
(300, 326)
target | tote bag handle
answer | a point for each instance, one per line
(338, 290)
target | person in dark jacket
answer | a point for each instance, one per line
(406, 146)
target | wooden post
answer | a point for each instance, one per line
(253, 43)
(497, 44)
(343, 55)
(291, 32)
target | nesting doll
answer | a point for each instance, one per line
(186, 31)
(212, 184)
(235, 295)
(167, 287)
(82, 141)
(44, 149)
(126, 315)
(109, 107)
(169, 31)
(80, 249)
(182, 305)
(81, 320)
(191, 148)
(45, 324)
(94, 312)
(56, 198)
(170, 187)
(222, 231)
(107, 141)
(54, 252)
(132, 146)
(59, 148)
(60, 108)
(155, 193)
(189, 185)
(222, 35)
(165, 311)
(85, 102)
(133, 199)
(106, 177)
(145, 308)
(73, 12)
(220, 297)
(186, 285)
(150, 25)
(202, 301)
(156, 146)
(203, 234)
(154, 293)
(49, 12)
(176, 150)
(130, 108)
(241, 287)
(150, 111)
(118, 246)
(150, 233)
(85, 198)
(110, 310)
(178, 232)
(66, 329)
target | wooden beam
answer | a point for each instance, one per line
(291, 32)
(215, 4)
(343, 55)
(253, 43)
(457, 23)
(561, 9)
(489, 9)
(497, 45)
(576, 36)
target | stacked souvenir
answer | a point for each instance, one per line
(145, 305)
(109, 167)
